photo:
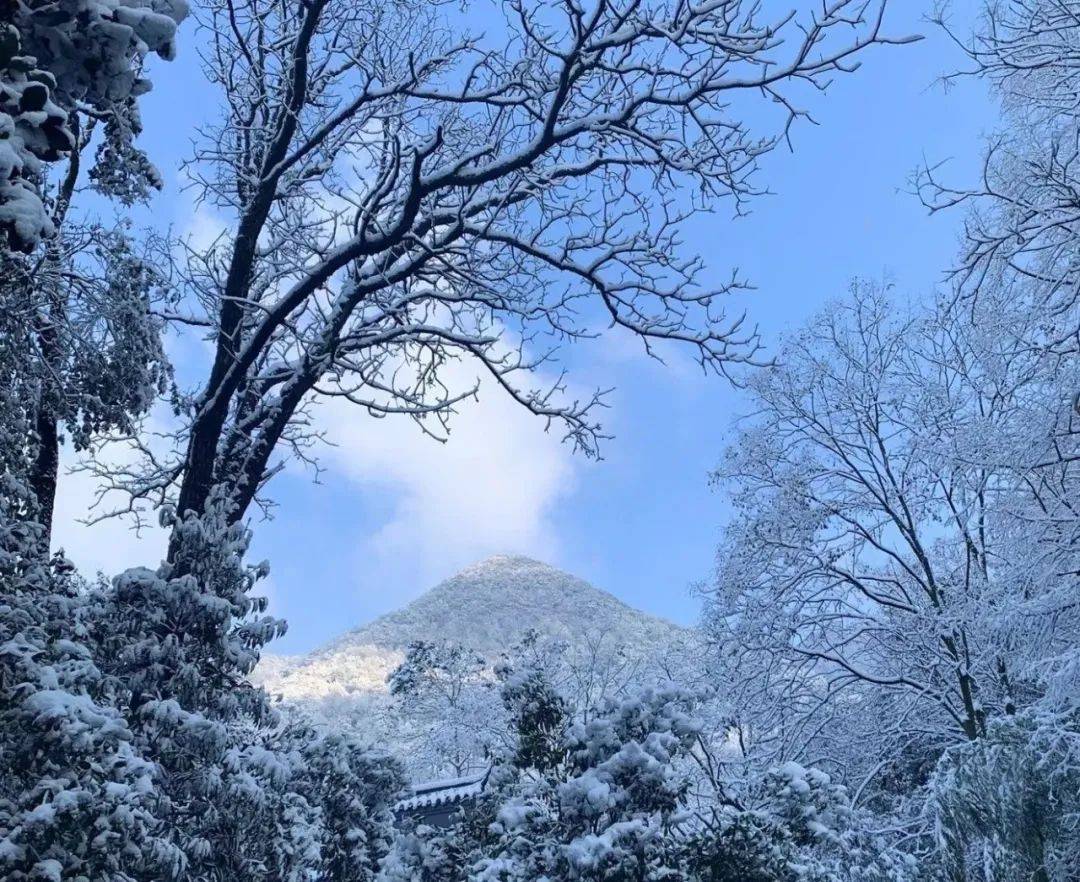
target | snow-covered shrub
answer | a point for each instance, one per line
(616, 795)
(131, 746)
(539, 715)
(355, 788)
(806, 802)
(791, 824)
(612, 799)
(78, 795)
(600, 803)
(428, 855)
(737, 846)
(1008, 805)
(244, 792)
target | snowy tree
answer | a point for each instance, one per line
(242, 791)
(448, 709)
(354, 788)
(82, 310)
(438, 197)
(81, 292)
(539, 713)
(132, 747)
(1022, 226)
(827, 576)
(895, 595)
(613, 798)
(599, 805)
(452, 710)
(78, 798)
(1007, 807)
(900, 571)
(1019, 257)
(792, 823)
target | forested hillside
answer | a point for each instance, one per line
(487, 609)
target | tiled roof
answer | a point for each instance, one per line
(443, 793)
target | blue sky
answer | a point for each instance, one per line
(396, 511)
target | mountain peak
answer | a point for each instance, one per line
(488, 605)
(502, 567)
(504, 563)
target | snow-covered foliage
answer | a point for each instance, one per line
(1008, 805)
(617, 797)
(598, 805)
(58, 61)
(78, 798)
(130, 745)
(1023, 222)
(792, 824)
(33, 130)
(903, 544)
(608, 794)
(91, 358)
(78, 293)
(241, 790)
(896, 594)
(447, 707)
(132, 748)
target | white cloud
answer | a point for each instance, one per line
(491, 488)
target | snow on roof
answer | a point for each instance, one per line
(440, 793)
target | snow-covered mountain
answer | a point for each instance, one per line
(487, 607)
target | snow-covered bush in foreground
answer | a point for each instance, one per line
(599, 803)
(1008, 806)
(243, 792)
(790, 824)
(615, 798)
(78, 798)
(131, 746)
